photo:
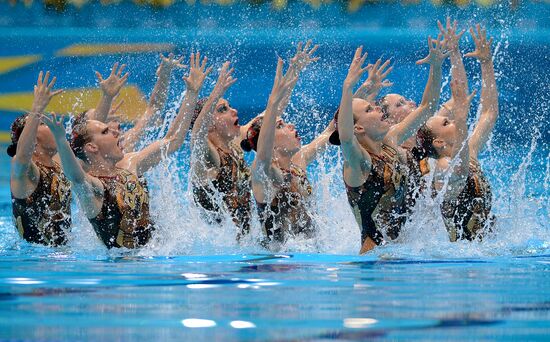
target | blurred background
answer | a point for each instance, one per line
(74, 38)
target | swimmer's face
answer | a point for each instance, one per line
(114, 125)
(397, 107)
(443, 130)
(287, 139)
(226, 121)
(103, 141)
(369, 119)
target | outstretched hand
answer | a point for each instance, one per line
(483, 47)
(167, 64)
(303, 56)
(197, 72)
(450, 35)
(112, 85)
(43, 92)
(225, 80)
(281, 84)
(356, 69)
(437, 53)
(55, 124)
(377, 75)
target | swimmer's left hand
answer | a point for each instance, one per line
(167, 64)
(437, 53)
(450, 37)
(55, 124)
(303, 56)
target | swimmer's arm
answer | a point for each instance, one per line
(376, 80)
(202, 151)
(458, 72)
(151, 117)
(402, 131)
(88, 189)
(23, 169)
(489, 93)
(309, 152)
(355, 158)
(110, 87)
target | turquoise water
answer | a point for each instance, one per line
(194, 282)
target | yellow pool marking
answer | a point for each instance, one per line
(5, 137)
(112, 49)
(78, 100)
(10, 63)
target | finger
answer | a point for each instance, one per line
(122, 67)
(312, 51)
(422, 61)
(124, 79)
(113, 70)
(458, 36)
(315, 59)
(387, 84)
(430, 42)
(455, 25)
(377, 64)
(52, 83)
(230, 71)
(299, 48)
(279, 70)
(478, 27)
(308, 44)
(39, 81)
(99, 77)
(384, 75)
(484, 34)
(490, 42)
(364, 58)
(203, 65)
(448, 22)
(198, 58)
(472, 95)
(472, 33)
(358, 52)
(470, 54)
(57, 92)
(46, 78)
(440, 26)
(208, 71)
(231, 82)
(180, 60)
(385, 65)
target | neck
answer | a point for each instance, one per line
(220, 141)
(43, 156)
(101, 168)
(371, 145)
(282, 160)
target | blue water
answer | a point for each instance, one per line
(194, 282)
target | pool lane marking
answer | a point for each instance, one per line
(78, 100)
(113, 49)
(10, 63)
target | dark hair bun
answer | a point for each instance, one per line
(11, 150)
(419, 153)
(245, 145)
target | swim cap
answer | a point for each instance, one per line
(334, 138)
(198, 108)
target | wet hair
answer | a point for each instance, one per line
(252, 134)
(334, 138)
(384, 106)
(79, 136)
(198, 108)
(15, 133)
(424, 144)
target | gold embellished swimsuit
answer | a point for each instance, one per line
(231, 187)
(469, 215)
(379, 204)
(45, 216)
(124, 220)
(288, 213)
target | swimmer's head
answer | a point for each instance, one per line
(94, 140)
(226, 120)
(286, 138)
(369, 121)
(436, 138)
(396, 107)
(44, 137)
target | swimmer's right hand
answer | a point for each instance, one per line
(197, 72)
(356, 69)
(55, 124)
(43, 92)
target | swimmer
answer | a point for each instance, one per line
(41, 195)
(111, 194)
(279, 180)
(466, 207)
(222, 176)
(374, 162)
(111, 87)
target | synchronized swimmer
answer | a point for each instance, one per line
(391, 149)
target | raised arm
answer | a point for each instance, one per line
(110, 87)
(27, 141)
(376, 80)
(451, 41)
(430, 100)
(281, 84)
(88, 189)
(202, 151)
(357, 162)
(157, 101)
(489, 93)
(460, 155)
(151, 155)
